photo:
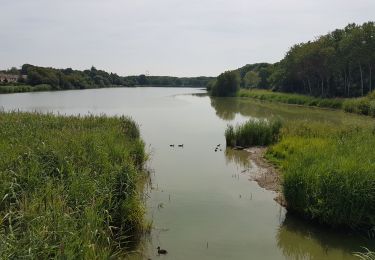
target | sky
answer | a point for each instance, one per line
(165, 37)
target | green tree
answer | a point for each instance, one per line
(142, 80)
(251, 79)
(227, 84)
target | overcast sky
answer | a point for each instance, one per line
(165, 37)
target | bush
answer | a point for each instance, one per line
(253, 132)
(226, 84)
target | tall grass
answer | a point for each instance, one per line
(253, 132)
(363, 106)
(290, 98)
(328, 172)
(69, 186)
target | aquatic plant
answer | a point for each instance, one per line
(328, 172)
(69, 186)
(253, 132)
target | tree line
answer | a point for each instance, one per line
(338, 64)
(94, 78)
(168, 81)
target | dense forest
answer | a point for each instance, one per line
(338, 64)
(57, 79)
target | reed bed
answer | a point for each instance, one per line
(253, 133)
(328, 172)
(69, 186)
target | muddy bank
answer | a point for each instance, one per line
(264, 173)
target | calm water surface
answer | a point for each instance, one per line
(201, 204)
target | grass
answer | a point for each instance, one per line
(252, 133)
(289, 98)
(69, 186)
(362, 106)
(328, 172)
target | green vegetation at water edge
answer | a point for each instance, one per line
(31, 78)
(70, 187)
(363, 106)
(167, 81)
(226, 85)
(252, 133)
(7, 89)
(289, 98)
(328, 172)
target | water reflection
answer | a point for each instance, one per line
(300, 240)
(225, 108)
(240, 158)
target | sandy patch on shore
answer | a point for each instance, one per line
(264, 173)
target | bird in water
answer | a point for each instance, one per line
(171, 145)
(161, 251)
(180, 145)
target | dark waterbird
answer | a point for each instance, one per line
(180, 145)
(171, 145)
(162, 251)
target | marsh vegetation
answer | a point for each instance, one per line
(70, 187)
(328, 172)
(253, 133)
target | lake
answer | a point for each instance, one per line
(202, 204)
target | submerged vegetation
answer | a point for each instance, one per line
(252, 133)
(69, 186)
(328, 172)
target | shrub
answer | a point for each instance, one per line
(226, 84)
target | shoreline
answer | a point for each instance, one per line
(265, 173)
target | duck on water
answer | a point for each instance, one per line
(162, 251)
